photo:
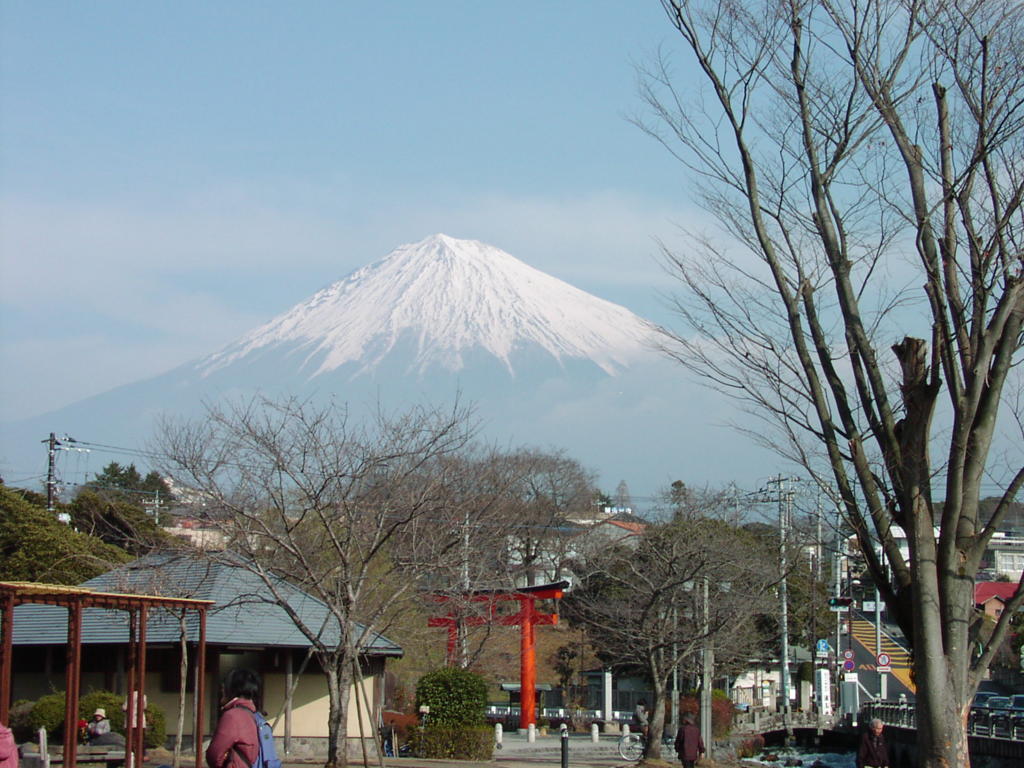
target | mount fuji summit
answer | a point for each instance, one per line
(438, 304)
(543, 364)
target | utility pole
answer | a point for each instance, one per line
(814, 603)
(52, 444)
(882, 680)
(785, 499)
(838, 564)
(675, 670)
(708, 659)
(51, 480)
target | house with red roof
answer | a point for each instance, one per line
(992, 596)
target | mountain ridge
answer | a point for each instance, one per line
(542, 364)
(447, 296)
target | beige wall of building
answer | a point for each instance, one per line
(310, 704)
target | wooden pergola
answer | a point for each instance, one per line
(76, 600)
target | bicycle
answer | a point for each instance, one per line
(632, 746)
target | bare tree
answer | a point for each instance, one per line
(865, 158)
(686, 585)
(546, 492)
(513, 528)
(346, 511)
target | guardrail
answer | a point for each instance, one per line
(994, 723)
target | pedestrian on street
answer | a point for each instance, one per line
(689, 745)
(873, 751)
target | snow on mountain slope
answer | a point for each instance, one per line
(449, 297)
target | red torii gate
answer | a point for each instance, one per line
(526, 618)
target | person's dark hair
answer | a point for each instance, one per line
(243, 683)
(687, 719)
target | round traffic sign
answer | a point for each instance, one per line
(883, 659)
(848, 665)
(848, 653)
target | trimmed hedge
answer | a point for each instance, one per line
(48, 713)
(456, 697)
(441, 742)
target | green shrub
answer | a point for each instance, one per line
(111, 702)
(455, 696)
(156, 726)
(441, 742)
(48, 713)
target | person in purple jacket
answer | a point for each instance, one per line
(689, 745)
(235, 742)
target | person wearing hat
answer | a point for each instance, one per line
(99, 725)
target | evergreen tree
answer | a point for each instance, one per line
(34, 546)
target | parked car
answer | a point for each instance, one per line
(981, 697)
(1000, 715)
(1016, 714)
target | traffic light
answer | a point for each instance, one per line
(840, 603)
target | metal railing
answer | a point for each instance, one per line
(982, 721)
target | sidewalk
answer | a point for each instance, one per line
(517, 752)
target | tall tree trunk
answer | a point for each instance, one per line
(339, 683)
(657, 718)
(941, 674)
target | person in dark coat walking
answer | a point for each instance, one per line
(689, 745)
(873, 751)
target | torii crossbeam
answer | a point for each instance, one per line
(526, 618)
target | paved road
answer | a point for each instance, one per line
(899, 681)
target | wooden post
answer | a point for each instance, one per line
(6, 653)
(72, 672)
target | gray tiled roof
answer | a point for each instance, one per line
(243, 613)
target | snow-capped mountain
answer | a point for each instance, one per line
(440, 299)
(542, 364)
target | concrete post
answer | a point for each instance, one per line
(606, 680)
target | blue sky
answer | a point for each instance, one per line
(173, 173)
